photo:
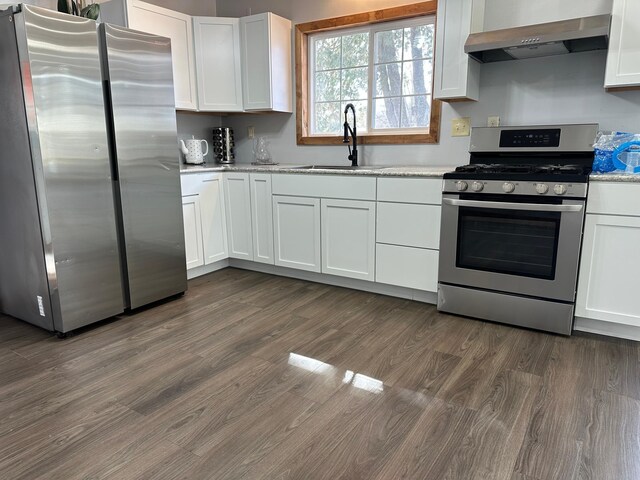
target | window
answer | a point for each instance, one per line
(385, 68)
(385, 71)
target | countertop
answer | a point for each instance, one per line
(399, 171)
(614, 177)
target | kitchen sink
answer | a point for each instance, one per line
(337, 167)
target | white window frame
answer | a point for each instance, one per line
(372, 29)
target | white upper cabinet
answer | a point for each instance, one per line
(623, 59)
(457, 76)
(179, 28)
(219, 74)
(265, 41)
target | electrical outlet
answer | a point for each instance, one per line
(251, 132)
(493, 121)
(461, 127)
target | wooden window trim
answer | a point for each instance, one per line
(302, 32)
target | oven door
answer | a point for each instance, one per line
(517, 246)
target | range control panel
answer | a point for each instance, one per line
(549, 137)
(550, 189)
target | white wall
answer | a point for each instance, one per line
(190, 7)
(563, 89)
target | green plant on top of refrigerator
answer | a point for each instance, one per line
(79, 8)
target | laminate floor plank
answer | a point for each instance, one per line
(209, 421)
(431, 445)
(263, 432)
(251, 376)
(613, 444)
(305, 454)
(563, 407)
(54, 439)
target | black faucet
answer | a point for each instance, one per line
(353, 153)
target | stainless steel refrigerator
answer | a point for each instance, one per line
(90, 202)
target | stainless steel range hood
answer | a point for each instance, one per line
(555, 38)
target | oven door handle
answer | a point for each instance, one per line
(537, 207)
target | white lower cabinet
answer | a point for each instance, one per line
(204, 218)
(609, 285)
(296, 232)
(192, 231)
(407, 267)
(237, 196)
(214, 228)
(409, 225)
(348, 238)
(261, 217)
(267, 218)
(408, 232)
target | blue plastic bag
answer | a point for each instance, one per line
(605, 146)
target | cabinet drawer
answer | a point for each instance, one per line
(614, 198)
(407, 267)
(410, 190)
(325, 186)
(191, 183)
(409, 224)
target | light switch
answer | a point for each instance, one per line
(461, 127)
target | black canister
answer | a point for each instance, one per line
(223, 145)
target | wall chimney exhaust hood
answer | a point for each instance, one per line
(554, 38)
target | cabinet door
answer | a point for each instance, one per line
(179, 28)
(349, 238)
(214, 228)
(608, 282)
(262, 217)
(217, 50)
(265, 42)
(408, 224)
(296, 225)
(238, 211)
(457, 76)
(623, 58)
(407, 267)
(192, 231)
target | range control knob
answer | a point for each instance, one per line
(560, 189)
(508, 187)
(477, 186)
(462, 185)
(542, 188)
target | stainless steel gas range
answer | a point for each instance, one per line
(512, 223)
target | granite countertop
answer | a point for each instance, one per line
(614, 177)
(378, 171)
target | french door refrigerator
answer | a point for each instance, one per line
(90, 202)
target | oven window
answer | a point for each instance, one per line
(507, 241)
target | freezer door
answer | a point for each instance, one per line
(24, 291)
(138, 75)
(66, 117)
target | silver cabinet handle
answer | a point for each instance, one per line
(538, 207)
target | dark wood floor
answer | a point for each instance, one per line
(250, 376)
